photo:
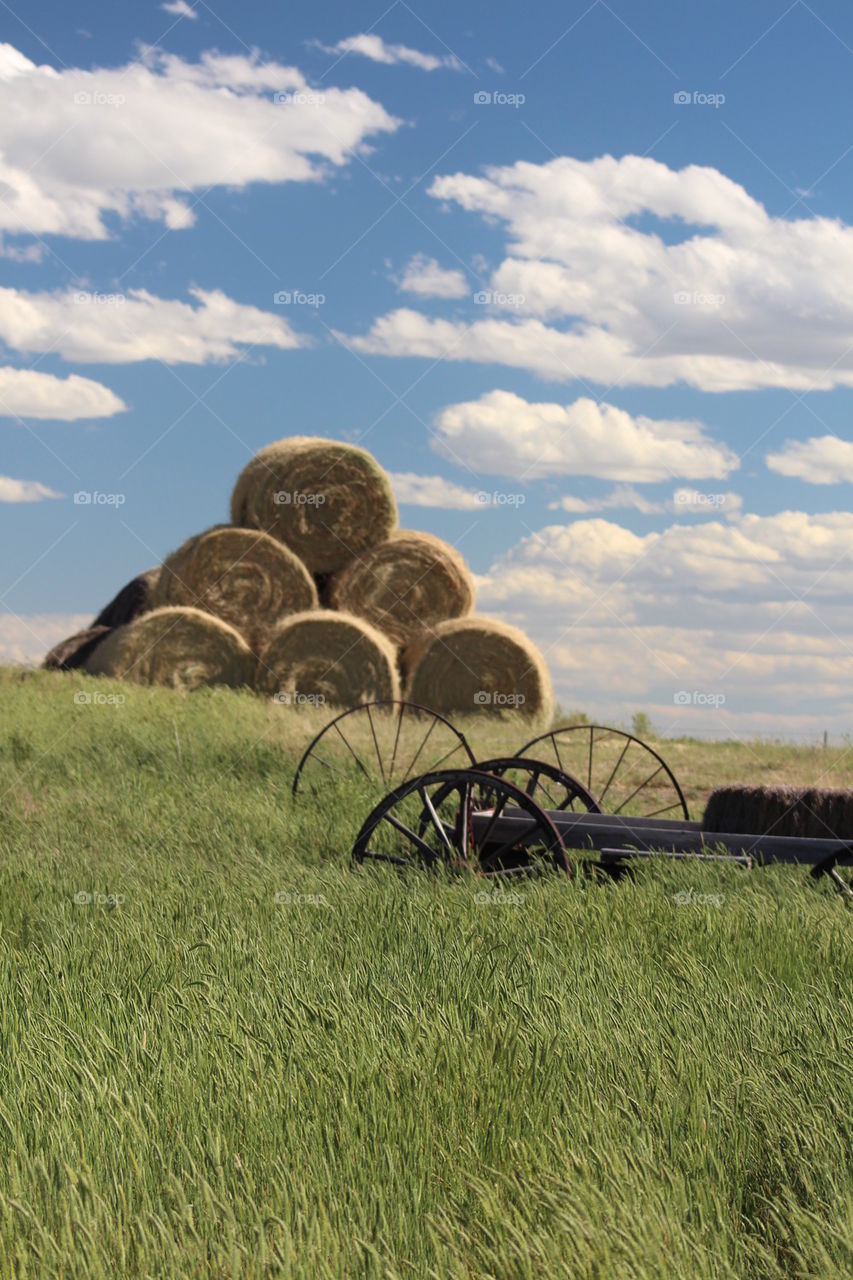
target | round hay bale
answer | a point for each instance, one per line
(133, 600)
(323, 657)
(326, 501)
(477, 664)
(812, 812)
(404, 585)
(73, 653)
(181, 648)
(242, 576)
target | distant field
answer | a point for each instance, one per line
(223, 1053)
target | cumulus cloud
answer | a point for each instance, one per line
(623, 496)
(756, 611)
(433, 491)
(624, 270)
(24, 490)
(119, 328)
(82, 146)
(25, 393)
(180, 9)
(28, 638)
(375, 48)
(503, 434)
(426, 277)
(819, 460)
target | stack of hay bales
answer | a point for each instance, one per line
(313, 594)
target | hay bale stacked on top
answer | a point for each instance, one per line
(313, 593)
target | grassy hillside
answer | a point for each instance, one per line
(222, 1053)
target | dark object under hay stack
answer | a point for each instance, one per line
(812, 813)
(72, 653)
(133, 600)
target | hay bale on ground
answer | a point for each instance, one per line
(810, 812)
(332, 658)
(132, 601)
(326, 501)
(181, 648)
(73, 653)
(408, 583)
(242, 576)
(478, 664)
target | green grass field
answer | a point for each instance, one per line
(233, 1056)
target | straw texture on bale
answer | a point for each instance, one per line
(242, 576)
(326, 501)
(181, 648)
(133, 600)
(334, 657)
(74, 652)
(477, 664)
(781, 811)
(404, 585)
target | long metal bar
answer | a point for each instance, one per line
(603, 831)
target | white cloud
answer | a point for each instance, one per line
(708, 289)
(118, 328)
(819, 460)
(623, 496)
(25, 393)
(695, 502)
(756, 611)
(426, 277)
(503, 434)
(82, 146)
(24, 490)
(26, 639)
(433, 491)
(375, 48)
(180, 9)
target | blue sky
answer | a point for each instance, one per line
(675, 518)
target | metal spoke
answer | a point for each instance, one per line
(616, 768)
(638, 789)
(418, 752)
(589, 769)
(437, 823)
(350, 750)
(416, 840)
(397, 739)
(496, 813)
(509, 844)
(376, 745)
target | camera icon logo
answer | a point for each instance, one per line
(82, 698)
(483, 297)
(482, 97)
(282, 298)
(482, 698)
(681, 98)
(683, 698)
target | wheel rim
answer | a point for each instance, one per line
(622, 773)
(383, 742)
(448, 818)
(546, 783)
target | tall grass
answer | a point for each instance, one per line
(224, 1054)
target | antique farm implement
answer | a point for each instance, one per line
(583, 794)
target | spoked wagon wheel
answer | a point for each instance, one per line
(549, 785)
(383, 742)
(623, 773)
(462, 820)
